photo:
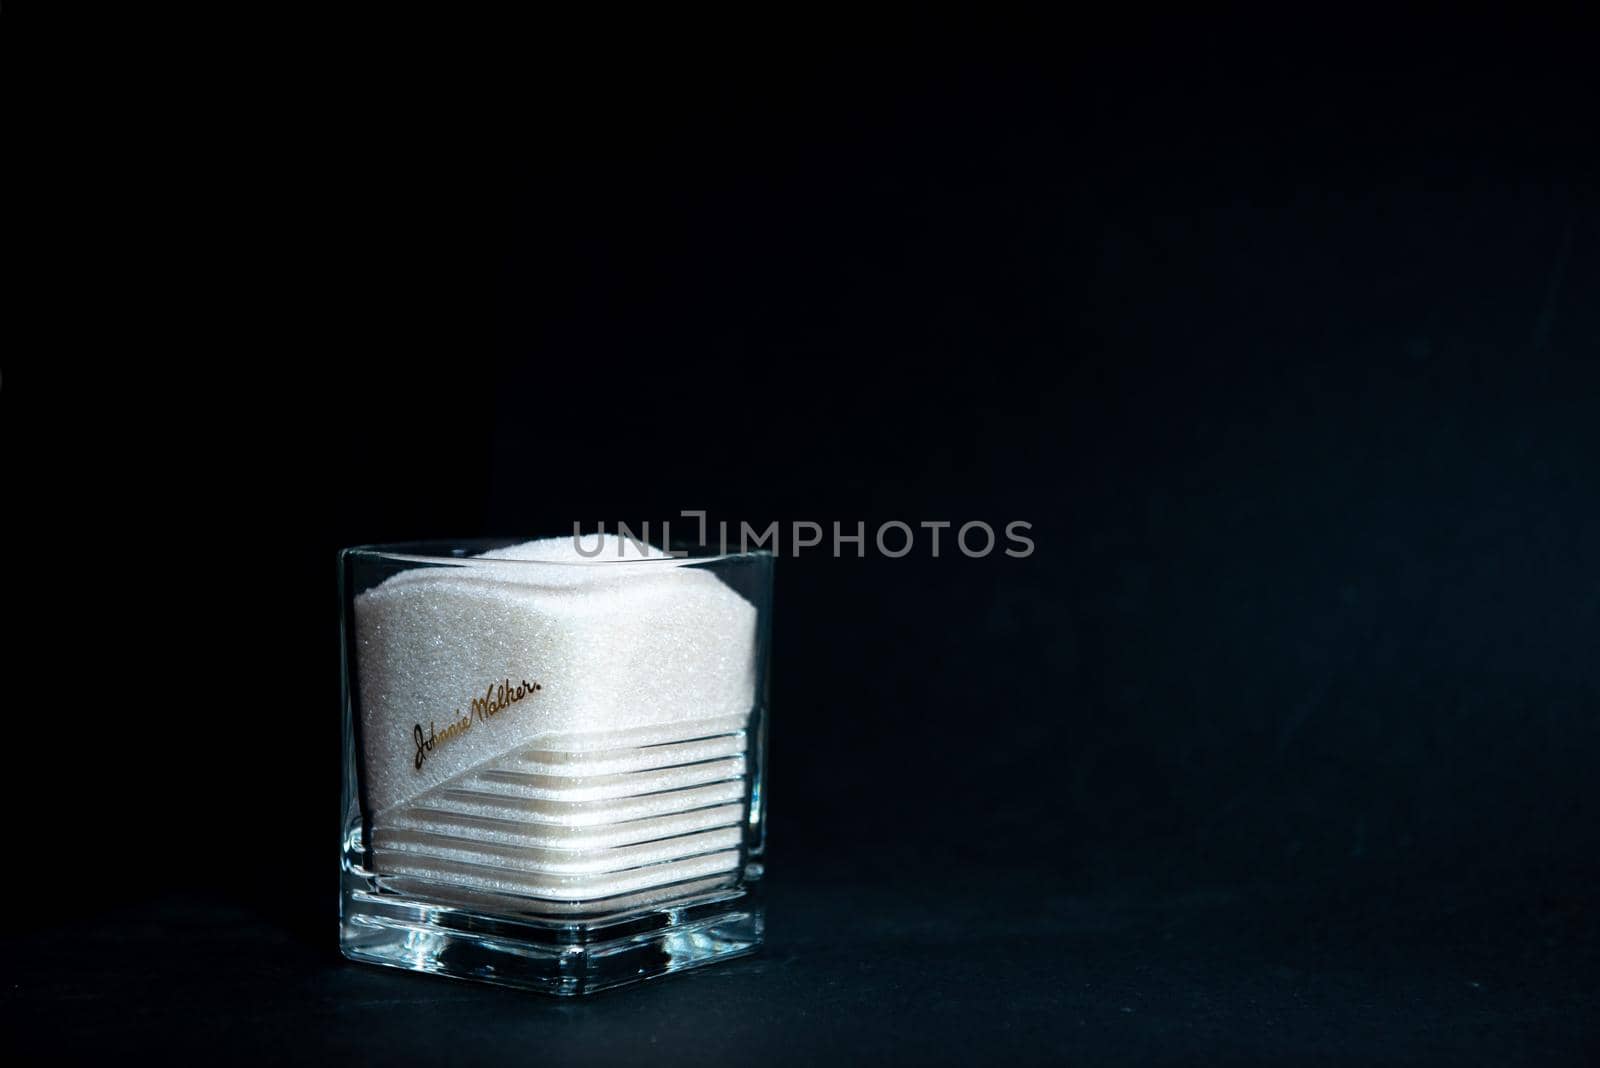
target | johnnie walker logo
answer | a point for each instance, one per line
(496, 699)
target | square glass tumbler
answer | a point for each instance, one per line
(553, 759)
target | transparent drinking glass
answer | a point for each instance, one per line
(553, 761)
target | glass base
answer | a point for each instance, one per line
(552, 957)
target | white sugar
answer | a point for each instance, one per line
(613, 685)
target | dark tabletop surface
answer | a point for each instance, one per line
(937, 965)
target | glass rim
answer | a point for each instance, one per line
(468, 550)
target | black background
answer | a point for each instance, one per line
(1280, 746)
